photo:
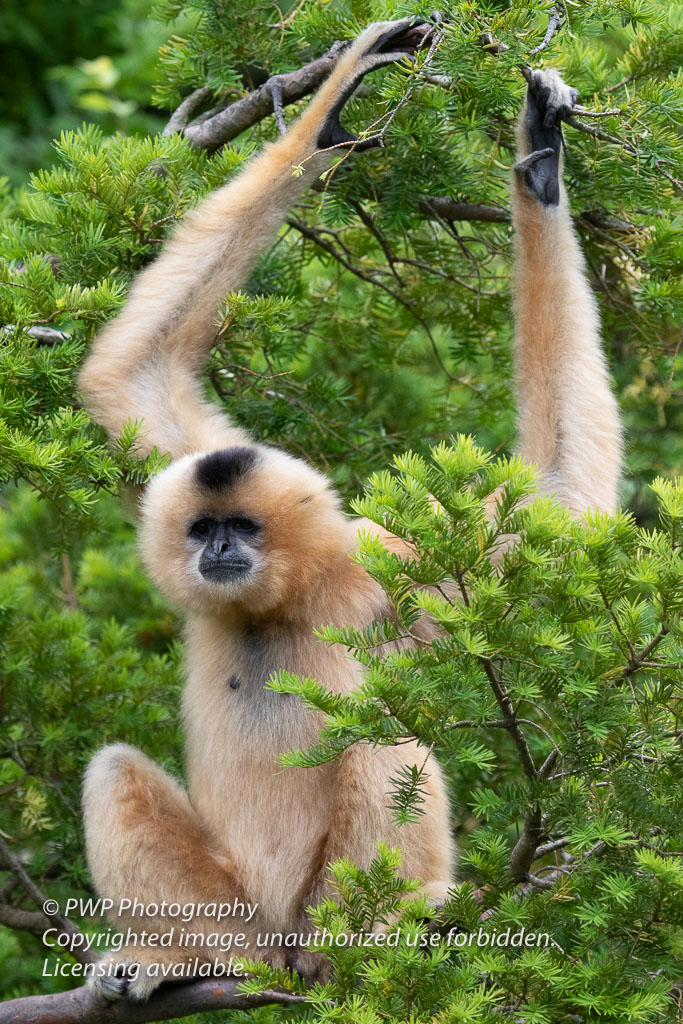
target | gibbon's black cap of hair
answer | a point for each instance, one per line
(222, 469)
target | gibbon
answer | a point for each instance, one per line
(252, 545)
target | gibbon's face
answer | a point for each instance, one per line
(251, 527)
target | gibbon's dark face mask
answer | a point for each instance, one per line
(228, 547)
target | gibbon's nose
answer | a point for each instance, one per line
(220, 540)
(224, 558)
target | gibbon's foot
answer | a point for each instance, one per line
(549, 101)
(312, 967)
(380, 44)
(128, 980)
(135, 974)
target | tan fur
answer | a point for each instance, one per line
(245, 828)
(568, 417)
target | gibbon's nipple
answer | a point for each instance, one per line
(235, 682)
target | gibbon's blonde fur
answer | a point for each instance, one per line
(568, 421)
(252, 545)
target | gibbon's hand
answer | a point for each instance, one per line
(382, 43)
(549, 101)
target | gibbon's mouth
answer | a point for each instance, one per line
(223, 570)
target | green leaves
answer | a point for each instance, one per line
(391, 335)
(564, 633)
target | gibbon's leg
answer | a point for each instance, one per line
(144, 841)
(361, 817)
(146, 363)
(568, 418)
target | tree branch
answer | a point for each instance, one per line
(597, 133)
(449, 209)
(84, 1006)
(638, 660)
(524, 852)
(43, 335)
(554, 25)
(63, 925)
(182, 114)
(22, 920)
(510, 718)
(556, 844)
(252, 108)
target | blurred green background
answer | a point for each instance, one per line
(65, 63)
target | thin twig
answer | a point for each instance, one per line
(275, 87)
(639, 660)
(63, 925)
(554, 25)
(556, 844)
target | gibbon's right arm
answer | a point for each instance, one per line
(568, 418)
(146, 364)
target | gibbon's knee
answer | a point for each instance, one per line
(104, 776)
(122, 786)
(143, 837)
(123, 793)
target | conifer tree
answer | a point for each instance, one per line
(371, 335)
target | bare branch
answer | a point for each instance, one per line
(187, 108)
(585, 112)
(554, 25)
(43, 335)
(23, 920)
(557, 844)
(83, 1006)
(255, 106)
(449, 209)
(542, 883)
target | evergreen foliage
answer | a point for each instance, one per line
(379, 322)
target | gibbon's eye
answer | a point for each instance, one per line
(201, 528)
(243, 525)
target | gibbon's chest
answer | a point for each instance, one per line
(272, 821)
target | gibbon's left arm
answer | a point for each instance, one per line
(145, 365)
(568, 418)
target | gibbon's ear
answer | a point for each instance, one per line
(384, 43)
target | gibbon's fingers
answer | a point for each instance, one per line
(531, 160)
(568, 418)
(379, 45)
(549, 101)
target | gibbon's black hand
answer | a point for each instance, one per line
(549, 102)
(404, 38)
